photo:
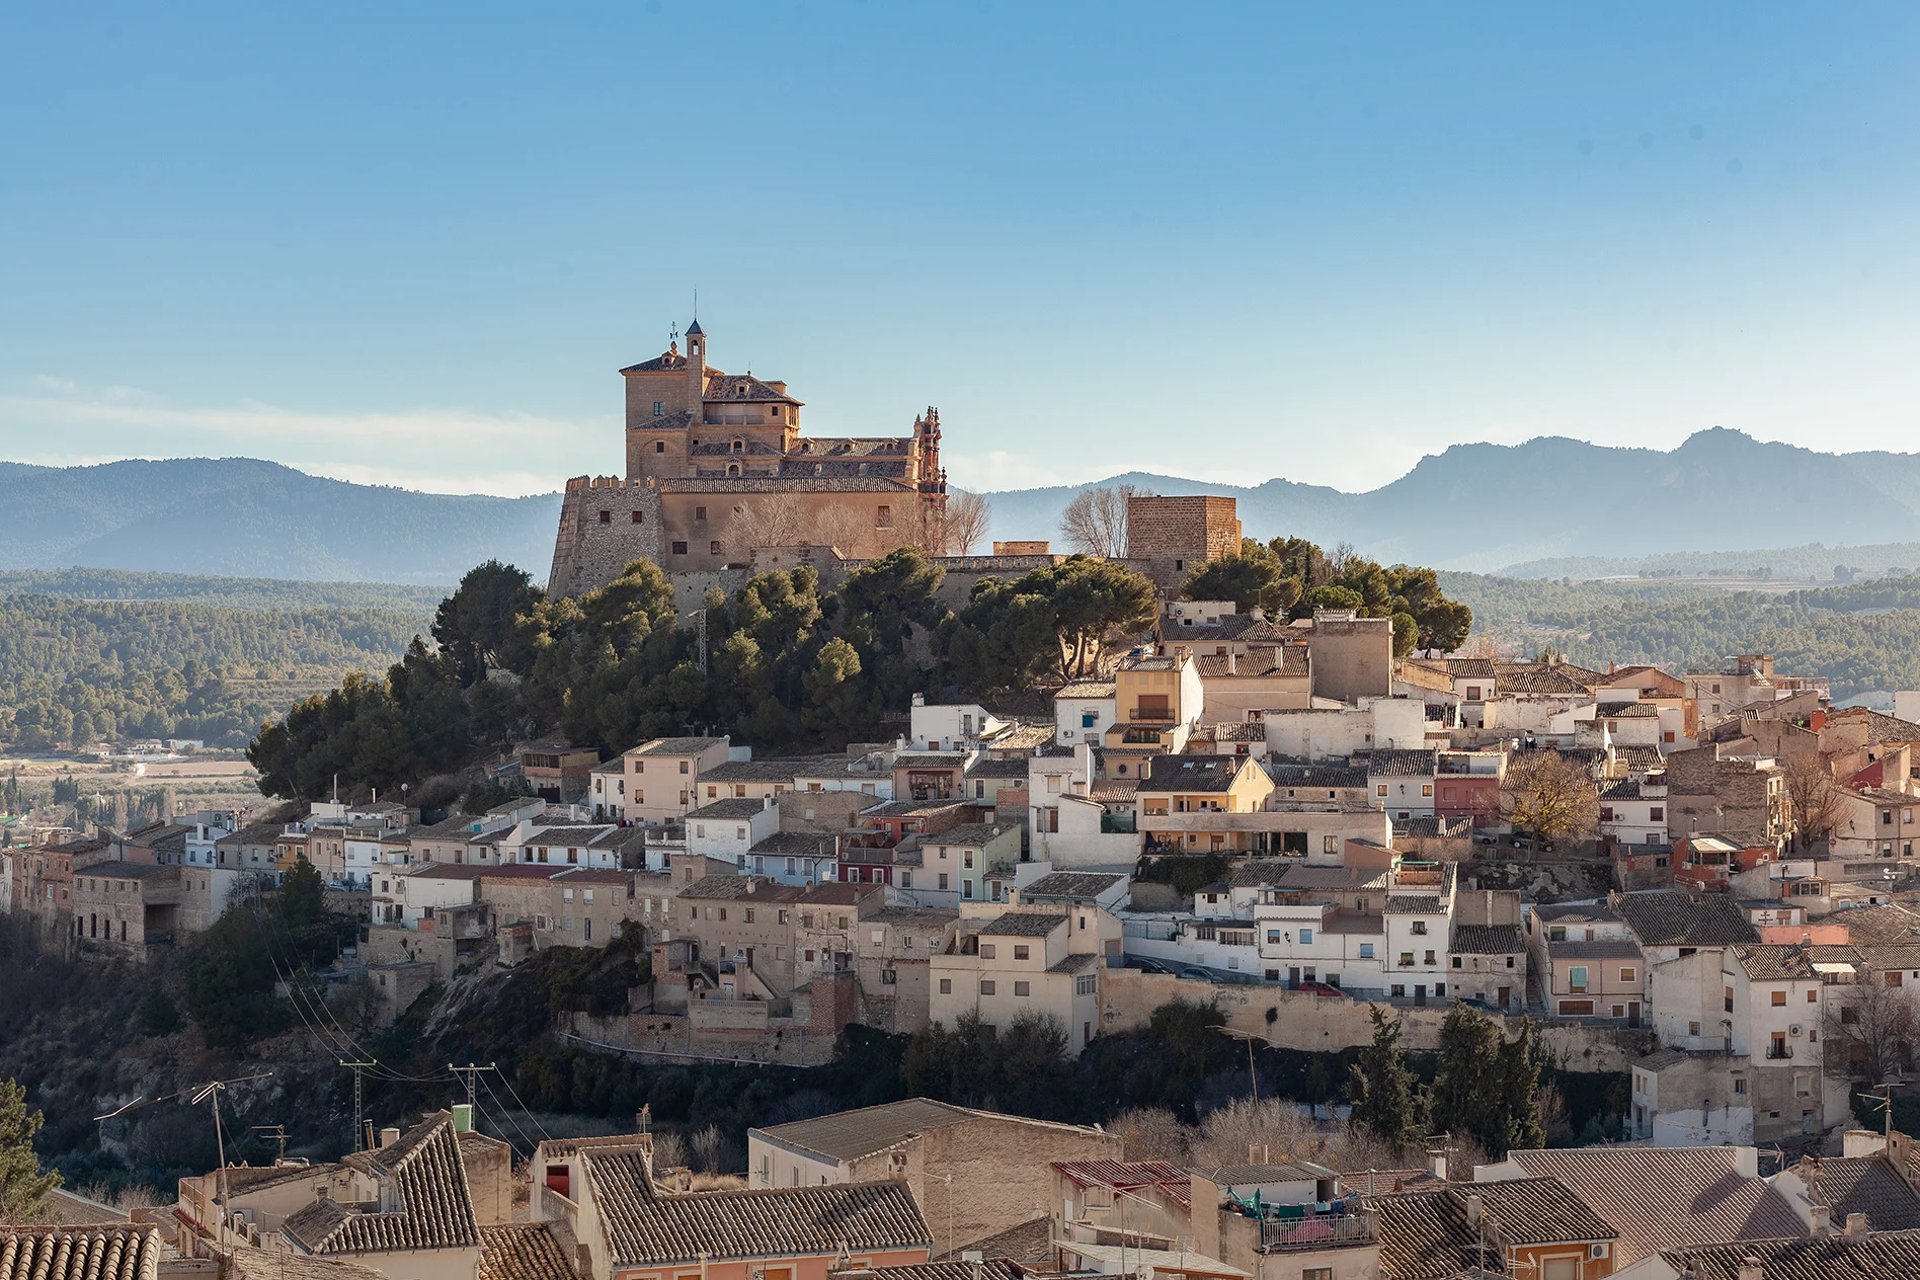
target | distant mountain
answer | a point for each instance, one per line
(1482, 506)
(246, 518)
(1475, 507)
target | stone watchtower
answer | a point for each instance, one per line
(1171, 537)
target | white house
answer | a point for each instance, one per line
(728, 829)
(1082, 711)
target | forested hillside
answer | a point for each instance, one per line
(1864, 637)
(75, 671)
(231, 593)
(1815, 560)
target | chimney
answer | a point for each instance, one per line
(1856, 1227)
(1474, 1204)
(1437, 1165)
(1750, 1269)
(1233, 663)
(1822, 1225)
(388, 1136)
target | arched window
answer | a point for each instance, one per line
(739, 445)
(733, 468)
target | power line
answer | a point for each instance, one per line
(470, 1071)
(524, 1107)
(507, 1115)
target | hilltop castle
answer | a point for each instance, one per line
(716, 466)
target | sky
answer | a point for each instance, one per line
(412, 244)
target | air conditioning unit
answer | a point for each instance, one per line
(1794, 1030)
(1597, 1250)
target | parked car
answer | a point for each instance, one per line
(1322, 989)
(1198, 975)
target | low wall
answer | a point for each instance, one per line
(1328, 1024)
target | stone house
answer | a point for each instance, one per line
(974, 1174)
(1042, 959)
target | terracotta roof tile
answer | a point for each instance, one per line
(105, 1252)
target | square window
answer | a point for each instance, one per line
(1021, 989)
(679, 548)
(986, 986)
(713, 548)
(946, 984)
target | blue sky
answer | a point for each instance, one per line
(412, 243)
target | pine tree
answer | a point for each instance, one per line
(1384, 1101)
(22, 1185)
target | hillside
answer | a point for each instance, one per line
(247, 518)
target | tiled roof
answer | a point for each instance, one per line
(998, 767)
(970, 833)
(1072, 884)
(1638, 759)
(730, 807)
(847, 1135)
(644, 1227)
(1190, 773)
(1258, 662)
(1880, 727)
(728, 887)
(1538, 1211)
(1487, 939)
(1667, 918)
(1413, 904)
(1624, 789)
(1424, 1235)
(676, 746)
(429, 1183)
(1623, 949)
(1879, 926)
(1022, 924)
(126, 870)
(1806, 1258)
(104, 1252)
(1129, 1175)
(1330, 776)
(760, 770)
(1030, 1243)
(784, 483)
(1775, 963)
(1863, 1184)
(1666, 1197)
(1391, 763)
(1088, 689)
(990, 1267)
(1080, 963)
(794, 844)
(522, 1251)
(1539, 678)
(1433, 826)
(1627, 711)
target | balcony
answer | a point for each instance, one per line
(1150, 715)
(1284, 1233)
(1779, 1052)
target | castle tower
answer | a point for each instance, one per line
(696, 367)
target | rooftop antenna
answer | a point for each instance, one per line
(273, 1133)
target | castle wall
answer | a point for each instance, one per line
(605, 525)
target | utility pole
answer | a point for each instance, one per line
(471, 1071)
(210, 1092)
(1882, 1095)
(359, 1098)
(274, 1133)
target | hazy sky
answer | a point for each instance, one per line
(412, 243)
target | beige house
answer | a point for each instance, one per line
(1157, 702)
(658, 781)
(974, 1174)
(1044, 959)
(1181, 800)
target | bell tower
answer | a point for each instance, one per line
(696, 367)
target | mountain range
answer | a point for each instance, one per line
(1477, 507)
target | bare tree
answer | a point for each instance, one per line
(1870, 1030)
(1153, 1133)
(1814, 801)
(958, 526)
(783, 520)
(669, 1151)
(1551, 796)
(710, 1145)
(1095, 522)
